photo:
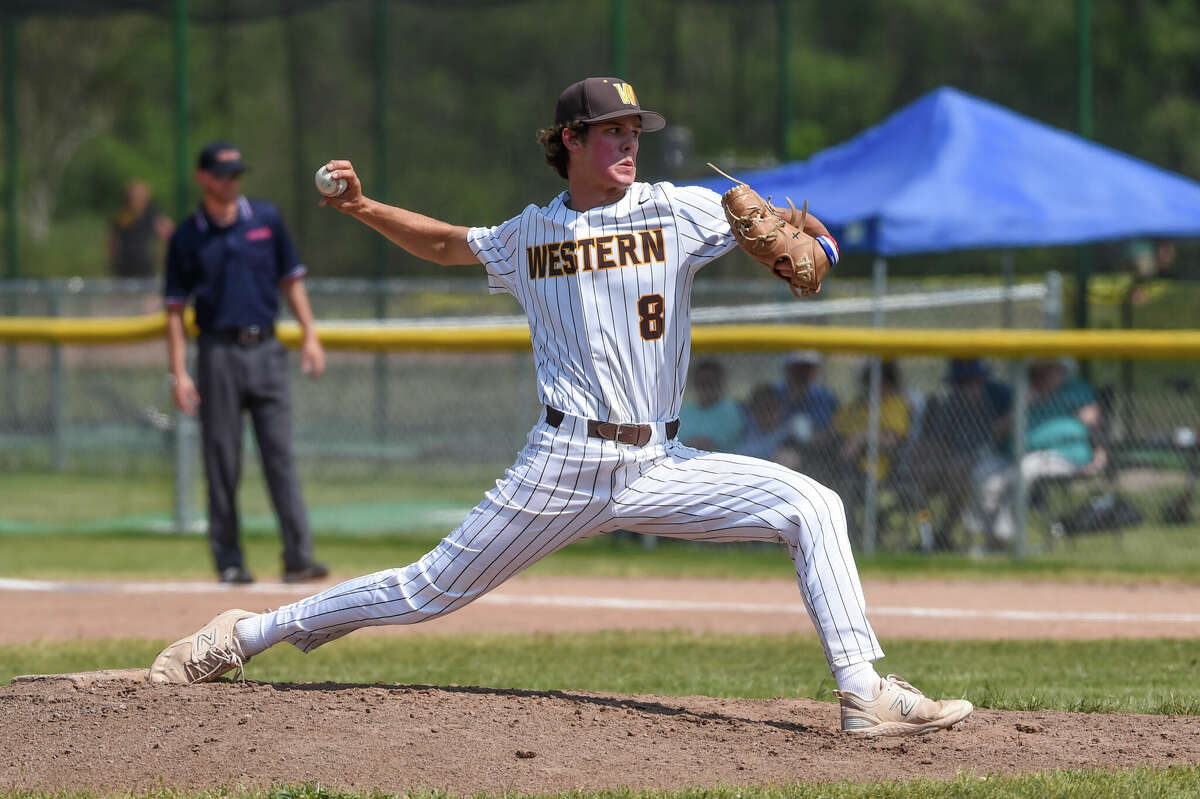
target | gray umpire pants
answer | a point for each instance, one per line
(232, 377)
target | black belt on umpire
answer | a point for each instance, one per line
(636, 434)
(242, 336)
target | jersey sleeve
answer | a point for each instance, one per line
(287, 260)
(497, 249)
(176, 286)
(700, 223)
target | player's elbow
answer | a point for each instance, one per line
(453, 250)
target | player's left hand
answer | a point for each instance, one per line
(781, 245)
(312, 357)
(352, 197)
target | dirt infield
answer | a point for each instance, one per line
(120, 735)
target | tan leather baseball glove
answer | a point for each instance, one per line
(777, 243)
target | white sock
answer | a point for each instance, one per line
(857, 678)
(250, 636)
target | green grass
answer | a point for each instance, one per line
(1109, 676)
(135, 554)
(1179, 781)
(83, 497)
(372, 516)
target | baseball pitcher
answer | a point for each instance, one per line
(604, 272)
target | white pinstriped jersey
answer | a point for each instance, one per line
(608, 295)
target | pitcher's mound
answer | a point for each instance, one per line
(87, 679)
(138, 737)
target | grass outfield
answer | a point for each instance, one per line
(1109, 676)
(156, 556)
(390, 515)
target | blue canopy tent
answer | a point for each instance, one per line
(951, 171)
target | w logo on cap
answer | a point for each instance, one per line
(625, 91)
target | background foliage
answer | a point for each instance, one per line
(465, 84)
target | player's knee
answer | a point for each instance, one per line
(832, 501)
(820, 510)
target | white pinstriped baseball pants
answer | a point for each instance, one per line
(565, 486)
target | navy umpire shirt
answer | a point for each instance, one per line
(233, 272)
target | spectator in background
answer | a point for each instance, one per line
(234, 257)
(807, 403)
(136, 234)
(961, 428)
(766, 429)
(808, 408)
(849, 467)
(710, 420)
(1061, 422)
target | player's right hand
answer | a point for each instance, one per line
(187, 398)
(349, 200)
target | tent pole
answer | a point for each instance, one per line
(871, 492)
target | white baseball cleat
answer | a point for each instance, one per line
(899, 709)
(204, 655)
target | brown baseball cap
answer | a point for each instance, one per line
(597, 99)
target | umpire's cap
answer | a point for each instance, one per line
(597, 99)
(222, 159)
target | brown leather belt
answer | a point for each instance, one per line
(636, 434)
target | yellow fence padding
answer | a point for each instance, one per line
(89, 330)
(892, 341)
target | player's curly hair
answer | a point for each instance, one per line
(557, 154)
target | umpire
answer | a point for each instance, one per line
(233, 257)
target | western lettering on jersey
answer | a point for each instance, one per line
(652, 246)
(569, 257)
(626, 249)
(536, 258)
(584, 248)
(604, 252)
(566, 254)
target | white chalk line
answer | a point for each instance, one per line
(617, 603)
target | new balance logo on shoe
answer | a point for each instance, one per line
(905, 709)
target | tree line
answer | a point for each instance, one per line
(438, 106)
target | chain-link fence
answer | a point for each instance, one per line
(408, 440)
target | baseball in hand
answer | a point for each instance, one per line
(328, 185)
